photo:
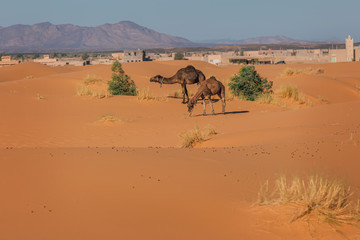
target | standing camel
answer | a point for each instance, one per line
(208, 88)
(183, 76)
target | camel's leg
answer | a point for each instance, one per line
(223, 103)
(204, 104)
(185, 92)
(210, 102)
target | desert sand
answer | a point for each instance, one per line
(66, 175)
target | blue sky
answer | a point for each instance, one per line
(199, 20)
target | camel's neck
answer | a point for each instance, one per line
(170, 80)
(197, 95)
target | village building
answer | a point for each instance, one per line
(46, 60)
(6, 61)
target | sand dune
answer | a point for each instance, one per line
(67, 175)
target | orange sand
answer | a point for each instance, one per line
(64, 175)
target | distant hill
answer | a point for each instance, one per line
(279, 40)
(67, 37)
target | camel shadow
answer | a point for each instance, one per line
(217, 114)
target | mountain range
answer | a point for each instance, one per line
(47, 37)
(107, 37)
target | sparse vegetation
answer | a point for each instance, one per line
(288, 72)
(288, 91)
(39, 97)
(264, 98)
(91, 79)
(121, 84)
(145, 94)
(29, 77)
(109, 118)
(195, 135)
(329, 199)
(92, 87)
(85, 90)
(247, 84)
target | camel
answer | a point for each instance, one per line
(183, 76)
(208, 88)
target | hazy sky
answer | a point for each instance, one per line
(199, 20)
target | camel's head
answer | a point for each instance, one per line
(190, 106)
(156, 78)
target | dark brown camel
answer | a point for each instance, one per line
(183, 76)
(208, 88)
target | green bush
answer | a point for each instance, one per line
(121, 84)
(248, 84)
(179, 56)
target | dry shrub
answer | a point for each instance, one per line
(288, 72)
(144, 94)
(178, 94)
(109, 118)
(192, 137)
(84, 90)
(290, 92)
(291, 72)
(329, 199)
(264, 98)
(39, 97)
(91, 79)
(195, 135)
(92, 86)
(229, 96)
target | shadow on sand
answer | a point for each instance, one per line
(216, 114)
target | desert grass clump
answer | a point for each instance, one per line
(265, 98)
(289, 72)
(91, 79)
(192, 137)
(39, 97)
(144, 94)
(329, 199)
(109, 118)
(195, 136)
(288, 91)
(84, 90)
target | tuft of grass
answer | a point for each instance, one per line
(84, 90)
(211, 131)
(288, 91)
(264, 98)
(29, 77)
(39, 97)
(178, 94)
(144, 94)
(109, 118)
(91, 79)
(323, 99)
(192, 137)
(195, 135)
(289, 72)
(329, 199)
(229, 96)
